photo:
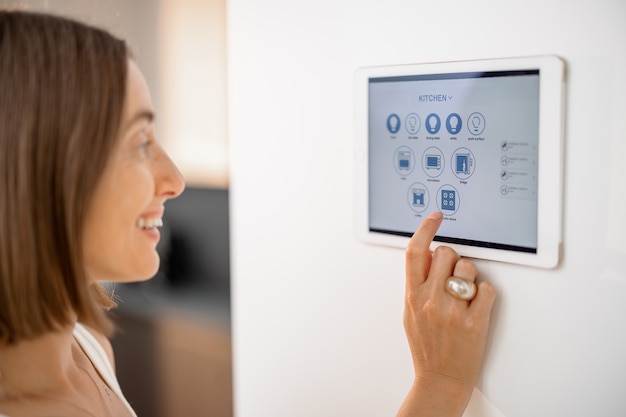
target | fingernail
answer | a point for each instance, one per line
(436, 215)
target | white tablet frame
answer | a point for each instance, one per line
(550, 162)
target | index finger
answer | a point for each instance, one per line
(418, 254)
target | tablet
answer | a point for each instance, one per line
(481, 141)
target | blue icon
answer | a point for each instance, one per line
(433, 123)
(393, 123)
(476, 123)
(404, 160)
(433, 162)
(418, 197)
(448, 200)
(454, 123)
(462, 163)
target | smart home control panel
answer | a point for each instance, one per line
(480, 141)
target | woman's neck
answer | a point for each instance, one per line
(46, 364)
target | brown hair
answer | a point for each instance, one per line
(62, 89)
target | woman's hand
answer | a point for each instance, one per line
(446, 335)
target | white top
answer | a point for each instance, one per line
(98, 357)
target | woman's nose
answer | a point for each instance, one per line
(169, 180)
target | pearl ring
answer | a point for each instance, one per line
(461, 288)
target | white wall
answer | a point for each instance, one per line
(317, 314)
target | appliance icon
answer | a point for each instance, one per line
(462, 163)
(448, 200)
(404, 160)
(418, 197)
(433, 161)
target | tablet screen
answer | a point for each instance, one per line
(463, 143)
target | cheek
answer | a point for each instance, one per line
(136, 188)
(103, 235)
(130, 196)
(112, 242)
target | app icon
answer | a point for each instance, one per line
(393, 123)
(404, 160)
(418, 197)
(476, 123)
(413, 123)
(454, 123)
(448, 199)
(433, 123)
(463, 163)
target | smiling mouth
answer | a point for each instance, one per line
(147, 224)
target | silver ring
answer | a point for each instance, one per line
(460, 288)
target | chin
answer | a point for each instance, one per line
(149, 274)
(144, 273)
(150, 268)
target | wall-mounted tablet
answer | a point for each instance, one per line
(481, 141)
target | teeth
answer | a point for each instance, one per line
(149, 223)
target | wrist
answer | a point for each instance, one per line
(436, 395)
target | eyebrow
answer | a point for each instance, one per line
(147, 115)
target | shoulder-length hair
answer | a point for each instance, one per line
(62, 89)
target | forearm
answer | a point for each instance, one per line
(436, 396)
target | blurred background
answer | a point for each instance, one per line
(173, 344)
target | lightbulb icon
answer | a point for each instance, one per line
(412, 123)
(433, 123)
(476, 123)
(393, 123)
(453, 123)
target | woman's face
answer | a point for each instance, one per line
(121, 230)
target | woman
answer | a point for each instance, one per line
(83, 185)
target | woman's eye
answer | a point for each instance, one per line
(145, 141)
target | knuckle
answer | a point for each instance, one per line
(487, 289)
(410, 298)
(467, 267)
(473, 325)
(445, 252)
(414, 252)
(418, 303)
(430, 308)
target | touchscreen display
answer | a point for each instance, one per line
(465, 144)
